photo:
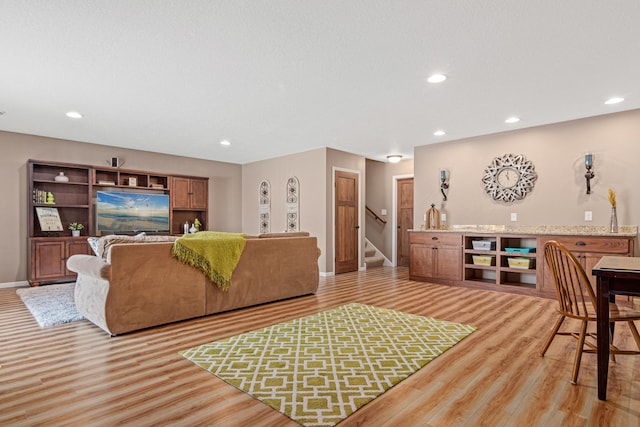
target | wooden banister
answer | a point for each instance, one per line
(375, 215)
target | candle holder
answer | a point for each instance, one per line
(589, 175)
(444, 185)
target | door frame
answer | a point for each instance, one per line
(335, 169)
(394, 216)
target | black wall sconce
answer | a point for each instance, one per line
(444, 185)
(588, 163)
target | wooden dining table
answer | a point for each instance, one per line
(615, 276)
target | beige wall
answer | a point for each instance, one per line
(225, 186)
(557, 152)
(309, 168)
(379, 195)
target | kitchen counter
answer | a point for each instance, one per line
(552, 230)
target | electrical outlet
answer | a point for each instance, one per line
(514, 216)
(443, 217)
(383, 212)
(588, 216)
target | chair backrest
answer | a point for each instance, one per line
(573, 288)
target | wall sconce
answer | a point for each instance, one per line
(588, 163)
(394, 158)
(444, 185)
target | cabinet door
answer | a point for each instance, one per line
(198, 193)
(421, 261)
(180, 192)
(74, 247)
(449, 262)
(48, 261)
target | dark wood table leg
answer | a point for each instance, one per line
(603, 335)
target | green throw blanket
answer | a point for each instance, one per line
(215, 253)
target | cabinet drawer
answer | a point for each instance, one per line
(436, 238)
(605, 245)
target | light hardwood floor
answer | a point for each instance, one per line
(75, 374)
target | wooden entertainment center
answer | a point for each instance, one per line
(73, 188)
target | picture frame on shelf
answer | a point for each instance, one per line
(49, 219)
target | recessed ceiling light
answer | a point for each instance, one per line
(614, 100)
(225, 142)
(394, 158)
(513, 119)
(437, 78)
(74, 115)
(439, 133)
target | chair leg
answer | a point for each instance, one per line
(576, 363)
(634, 332)
(554, 331)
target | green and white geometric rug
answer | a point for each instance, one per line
(319, 369)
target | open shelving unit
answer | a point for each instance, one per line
(500, 272)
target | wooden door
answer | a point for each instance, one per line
(404, 212)
(180, 192)
(346, 215)
(198, 190)
(49, 261)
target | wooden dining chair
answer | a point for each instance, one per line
(577, 300)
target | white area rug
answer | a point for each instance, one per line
(51, 304)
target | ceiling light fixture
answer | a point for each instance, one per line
(225, 142)
(513, 119)
(614, 100)
(394, 158)
(74, 115)
(439, 133)
(437, 78)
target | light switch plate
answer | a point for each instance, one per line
(514, 216)
(383, 212)
(588, 216)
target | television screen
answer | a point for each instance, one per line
(132, 212)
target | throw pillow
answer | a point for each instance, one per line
(94, 242)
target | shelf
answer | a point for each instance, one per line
(481, 267)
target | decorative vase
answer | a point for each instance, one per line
(61, 177)
(75, 233)
(614, 220)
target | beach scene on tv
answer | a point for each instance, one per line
(132, 212)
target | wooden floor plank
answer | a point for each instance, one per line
(75, 374)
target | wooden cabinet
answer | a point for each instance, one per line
(588, 250)
(506, 262)
(435, 256)
(49, 258)
(189, 193)
(189, 200)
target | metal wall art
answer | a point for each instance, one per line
(293, 204)
(264, 206)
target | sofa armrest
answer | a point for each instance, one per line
(89, 265)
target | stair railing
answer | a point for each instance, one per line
(375, 215)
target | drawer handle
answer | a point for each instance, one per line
(581, 244)
(434, 238)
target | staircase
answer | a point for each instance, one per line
(371, 257)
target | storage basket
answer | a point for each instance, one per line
(484, 260)
(484, 245)
(524, 263)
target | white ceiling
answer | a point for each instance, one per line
(276, 77)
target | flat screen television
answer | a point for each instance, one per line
(119, 212)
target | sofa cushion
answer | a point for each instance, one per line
(107, 241)
(285, 234)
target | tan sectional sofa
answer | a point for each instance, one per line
(139, 284)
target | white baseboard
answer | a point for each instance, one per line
(23, 284)
(326, 273)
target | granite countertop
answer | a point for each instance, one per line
(569, 230)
